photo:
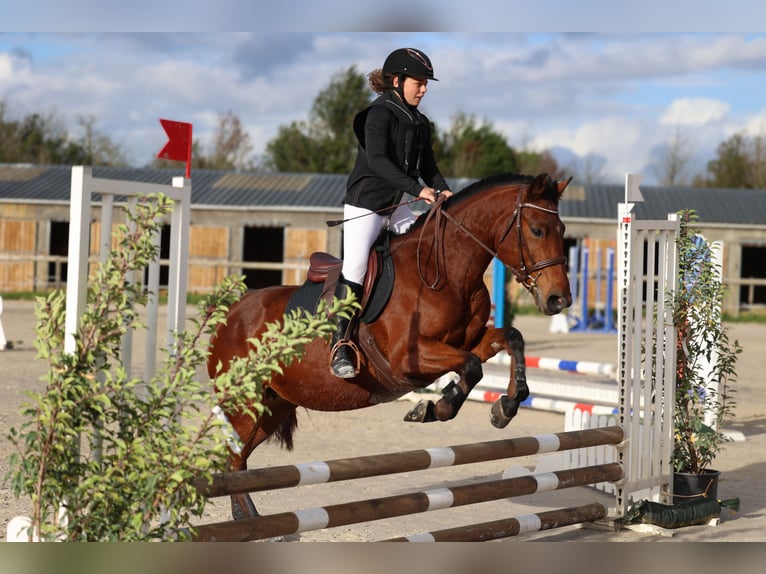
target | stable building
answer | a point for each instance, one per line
(265, 225)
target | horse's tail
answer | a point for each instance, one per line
(284, 434)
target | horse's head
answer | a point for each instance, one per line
(532, 244)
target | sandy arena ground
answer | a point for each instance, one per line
(324, 436)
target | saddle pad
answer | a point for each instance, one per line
(307, 295)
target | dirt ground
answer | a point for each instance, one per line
(325, 436)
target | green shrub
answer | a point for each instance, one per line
(701, 394)
(103, 456)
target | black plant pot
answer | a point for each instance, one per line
(689, 487)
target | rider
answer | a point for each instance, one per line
(395, 153)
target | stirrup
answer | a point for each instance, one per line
(343, 367)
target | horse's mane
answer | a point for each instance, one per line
(477, 187)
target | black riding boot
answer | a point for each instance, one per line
(343, 356)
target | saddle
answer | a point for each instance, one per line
(324, 272)
(325, 268)
(322, 277)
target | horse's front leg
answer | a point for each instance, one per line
(506, 407)
(453, 395)
(510, 339)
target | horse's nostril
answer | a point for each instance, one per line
(556, 304)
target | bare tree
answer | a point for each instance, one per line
(670, 167)
(532, 162)
(231, 143)
(758, 165)
(98, 149)
(589, 169)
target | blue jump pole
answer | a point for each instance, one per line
(582, 323)
(498, 291)
(609, 321)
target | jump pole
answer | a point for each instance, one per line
(507, 527)
(287, 523)
(256, 480)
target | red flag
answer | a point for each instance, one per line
(179, 146)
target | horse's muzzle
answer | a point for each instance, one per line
(557, 303)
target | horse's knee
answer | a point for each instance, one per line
(472, 371)
(515, 340)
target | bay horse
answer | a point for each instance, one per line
(434, 323)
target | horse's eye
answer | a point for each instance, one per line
(537, 232)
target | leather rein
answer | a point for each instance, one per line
(524, 274)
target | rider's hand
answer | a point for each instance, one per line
(429, 194)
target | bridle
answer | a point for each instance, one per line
(524, 274)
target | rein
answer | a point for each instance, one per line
(523, 275)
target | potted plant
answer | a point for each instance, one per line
(705, 366)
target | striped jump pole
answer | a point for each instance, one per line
(566, 365)
(255, 480)
(507, 527)
(582, 367)
(287, 523)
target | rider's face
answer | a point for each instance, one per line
(414, 90)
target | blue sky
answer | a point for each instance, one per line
(605, 101)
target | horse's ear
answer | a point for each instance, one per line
(537, 187)
(562, 185)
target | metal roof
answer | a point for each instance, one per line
(209, 187)
(312, 191)
(713, 205)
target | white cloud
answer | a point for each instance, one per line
(694, 112)
(625, 144)
(6, 68)
(756, 126)
(604, 95)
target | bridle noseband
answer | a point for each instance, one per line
(524, 274)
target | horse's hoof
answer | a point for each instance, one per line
(502, 412)
(422, 413)
(242, 507)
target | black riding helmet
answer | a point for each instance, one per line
(409, 62)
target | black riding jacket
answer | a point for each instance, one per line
(394, 151)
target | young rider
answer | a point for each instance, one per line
(394, 154)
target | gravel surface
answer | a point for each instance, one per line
(380, 429)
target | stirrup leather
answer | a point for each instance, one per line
(346, 343)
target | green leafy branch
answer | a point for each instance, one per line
(103, 456)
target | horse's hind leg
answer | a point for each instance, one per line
(506, 407)
(241, 504)
(278, 423)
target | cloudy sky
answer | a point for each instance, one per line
(606, 100)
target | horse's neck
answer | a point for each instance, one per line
(461, 259)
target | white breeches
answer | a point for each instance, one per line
(359, 234)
